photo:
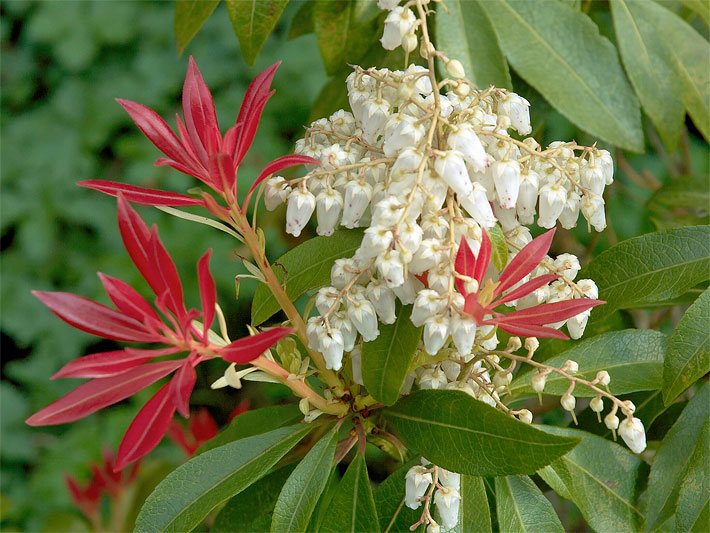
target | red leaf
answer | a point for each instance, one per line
(157, 131)
(181, 388)
(99, 393)
(222, 173)
(208, 291)
(127, 299)
(281, 163)
(250, 112)
(199, 112)
(147, 429)
(484, 257)
(526, 288)
(540, 315)
(532, 331)
(107, 364)
(474, 308)
(525, 261)
(465, 264)
(166, 271)
(249, 348)
(140, 195)
(203, 426)
(95, 318)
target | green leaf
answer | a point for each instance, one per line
(343, 36)
(600, 477)
(253, 21)
(190, 15)
(251, 510)
(694, 494)
(302, 22)
(559, 51)
(633, 358)
(700, 8)
(522, 507)
(650, 268)
(683, 198)
(673, 458)
(650, 68)
(394, 516)
(499, 248)
(688, 356)
(386, 360)
(254, 422)
(184, 498)
(353, 507)
(474, 513)
(307, 267)
(467, 35)
(300, 493)
(320, 513)
(689, 52)
(435, 422)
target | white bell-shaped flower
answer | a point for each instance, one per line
(407, 292)
(451, 369)
(593, 210)
(567, 264)
(491, 342)
(447, 501)
(633, 433)
(409, 236)
(315, 330)
(377, 111)
(427, 256)
(376, 240)
(527, 196)
(517, 109)
(506, 176)
(432, 378)
(476, 204)
(301, 204)
(552, 201)
(448, 479)
(577, 324)
(465, 140)
(357, 197)
(417, 483)
(588, 288)
(607, 163)
(387, 212)
(570, 214)
(383, 300)
(463, 333)
(362, 314)
(436, 331)
(507, 217)
(329, 204)
(342, 323)
(402, 132)
(356, 363)
(342, 272)
(427, 304)
(391, 268)
(276, 192)
(331, 346)
(326, 298)
(592, 177)
(452, 169)
(461, 386)
(399, 22)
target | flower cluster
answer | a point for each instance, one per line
(426, 483)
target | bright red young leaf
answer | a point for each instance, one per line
(249, 348)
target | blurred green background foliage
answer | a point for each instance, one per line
(63, 63)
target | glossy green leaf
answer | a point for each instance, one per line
(688, 356)
(320, 513)
(700, 8)
(674, 456)
(522, 507)
(600, 477)
(633, 358)
(650, 69)
(435, 422)
(679, 200)
(300, 493)
(343, 35)
(302, 22)
(251, 510)
(184, 498)
(253, 21)
(694, 493)
(474, 512)
(464, 32)
(352, 509)
(499, 247)
(689, 52)
(558, 50)
(254, 422)
(190, 15)
(394, 515)
(386, 360)
(307, 267)
(650, 268)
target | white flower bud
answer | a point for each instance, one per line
(301, 204)
(417, 482)
(447, 501)
(552, 201)
(461, 386)
(596, 404)
(588, 288)
(391, 268)
(570, 214)
(502, 379)
(315, 330)
(605, 160)
(538, 382)
(567, 264)
(402, 132)
(577, 324)
(455, 69)
(603, 378)
(326, 297)
(357, 198)
(489, 344)
(409, 42)
(568, 402)
(436, 331)
(517, 109)
(426, 257)
(356, 363)
(476, 204)
(506, 176)
(376, 113)
(409, 236)
(465, 141)
(592, 177)
(611, 421)
(463, 333)
(276, 192)
(428, 303)
(329, 204)
(451, 369)
(387, 212)
(593, 210)
(341, 322)
(524, 415)
(633, 433)
(448, 479)
(527, 196)
(571, 367)
(362, 314)
(342, 273)
(629, 407)
(407, 292)
(331, 346)
(382, 299)
(376, 241)
(432, 378)
(399, 22)
(452, 169)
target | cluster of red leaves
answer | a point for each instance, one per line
(105, 480)
(200, 150)
(529, 322)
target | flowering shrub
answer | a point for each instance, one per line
(429, 298)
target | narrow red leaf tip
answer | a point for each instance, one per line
(127, 299)
(275, 166)
(147, 429)
(101, 365)
(525, 261)
(181, 388)
(532, 331)
(527, 287)
(465, 264)
(141, 195)
(208, 292)
(549, 313)
(249, 348)
(483, 259)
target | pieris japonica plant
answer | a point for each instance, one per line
(422, 326)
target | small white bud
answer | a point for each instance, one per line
(447, 501)
(436, 331)
(524, 415)
(611, 421)
(596, 404)
(276, 192)
(455, 68)
(417, 482)
(568, 402)
(362, 314)
(329, 204)
(301, 204)
(633, 433)
(506, 176)
(570, 366)
(538, 382)
(603, 377)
